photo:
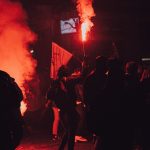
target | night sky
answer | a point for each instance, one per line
(125, 22)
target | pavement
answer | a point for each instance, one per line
(41, 141)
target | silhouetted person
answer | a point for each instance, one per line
(145, 85)
(93, 96)
(10, 115)
(80, 107)
(134, 102)
(56, 114)
(114, 134)
(64, 98)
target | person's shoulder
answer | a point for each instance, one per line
(72, 79)
(90, 76)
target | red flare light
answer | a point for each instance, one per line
(85, 28)
(85, 12)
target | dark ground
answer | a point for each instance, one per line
(41, 141)
(37, 133)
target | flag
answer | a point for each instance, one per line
(60, 57)
(69, 26)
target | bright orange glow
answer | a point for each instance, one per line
(23, 108)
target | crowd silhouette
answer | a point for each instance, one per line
(116, 98)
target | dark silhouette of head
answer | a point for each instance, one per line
(145, 75)
(115, 65)
(131, 68)
(5, 76)
(101, 64)
(63, 72)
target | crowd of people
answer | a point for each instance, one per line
(115, 100)
(111, 102)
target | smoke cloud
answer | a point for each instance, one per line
(85, 12)
(15, 37)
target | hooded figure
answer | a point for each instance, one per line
(10, 114)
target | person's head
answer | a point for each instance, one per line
(115, 68)
(63, 72)
(145, 74)
(101, 64)
(115, 64)
(131, 67)
(5, 75)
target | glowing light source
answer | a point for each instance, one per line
(23, 107)
(85, 12)
(145, 59)
(83, 31)
(31, 51)
(85, 28)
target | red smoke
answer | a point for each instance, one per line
(15, 37)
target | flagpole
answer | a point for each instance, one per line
(84, 55)
(83, 49)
